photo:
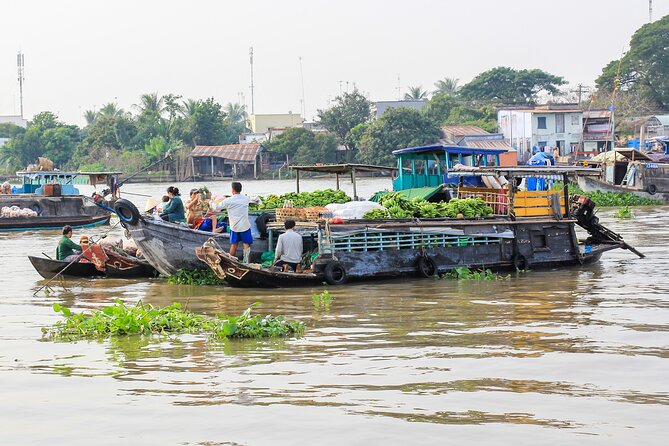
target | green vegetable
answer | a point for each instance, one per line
(304, 199)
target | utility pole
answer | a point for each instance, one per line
(252, 98)
(399, 89)
(650, 11)
(20, 65)
(304, 106)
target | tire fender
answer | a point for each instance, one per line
(261, 223)
(335, 274)
(126, 211)
(520, 262)
(652, 189)
(426, 267)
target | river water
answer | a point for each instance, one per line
(570, 356)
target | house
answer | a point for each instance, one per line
(550, 125)
(381, 106)
(475, 137)
(657, 125)
(16, 120)
(265, 122)
(597, 132)
(232, 160)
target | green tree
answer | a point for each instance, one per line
(447, 86)
(415, 94)
(9, 130)
(291, 141)
(207, 124)
(484, 117)
(111, 109)
(59, 143)
(349, 110)
(439, 108)
(236, 113)
(506, 85)
(644, 67)
(90, 116)
(396, 129)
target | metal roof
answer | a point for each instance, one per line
(663, 119)
(463, 130)
(527, 171)
(343, 168)
(245, 153)
(449, 149)
(58, 172)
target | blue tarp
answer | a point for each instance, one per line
(539, 159)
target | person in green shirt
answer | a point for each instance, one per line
(66, 247)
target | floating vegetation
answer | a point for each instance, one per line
(145, 319)
(464, 273)
(610, 199)
(195, 277)
(624, 213)
(322, 301)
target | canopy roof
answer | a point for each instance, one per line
(439, 149)
(343, 168)
(527, 171)
(620, 155)
(39, 173)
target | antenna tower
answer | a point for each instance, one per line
(252, 98)
(650, 11)
(21, 67)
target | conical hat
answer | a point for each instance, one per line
(150, 204)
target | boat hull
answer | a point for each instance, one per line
(591, 184)
(169, 247)
(52, 212)
(49, 268)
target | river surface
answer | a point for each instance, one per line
(573, 356)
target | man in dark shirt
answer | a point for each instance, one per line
(66, 247)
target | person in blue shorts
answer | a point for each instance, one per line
(238, 216)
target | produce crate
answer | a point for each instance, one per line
(314, 213)
(297, 214)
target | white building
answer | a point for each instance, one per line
(16, 120)
(553, 125)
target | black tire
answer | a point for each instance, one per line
(37, 208)
(520, 262)
(261, 223)
(335, 274)
(126, 211)
(652, 189)
(426, 267)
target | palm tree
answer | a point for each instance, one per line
(236, 113)
(415, 94)
(111, 109)
(90, 116)
(190, 105)
(447, 85)
(151, 103)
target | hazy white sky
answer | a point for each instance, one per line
(80, 54)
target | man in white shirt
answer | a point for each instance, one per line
(288, 248)
(238, 216)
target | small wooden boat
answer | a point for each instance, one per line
(238, 274)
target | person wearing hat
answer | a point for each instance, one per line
(196, 207)
(67, 250)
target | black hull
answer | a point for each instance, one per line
(169, 247)
(53, 212)
(48, 268)
(27, 224)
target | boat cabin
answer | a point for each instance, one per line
(428, 166)
(56, 183)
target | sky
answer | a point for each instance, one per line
(81, 54)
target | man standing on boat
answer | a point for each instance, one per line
(67, 250)
(289, 246)
(240, 226)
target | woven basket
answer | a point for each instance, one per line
(315, 213)
(283, 214)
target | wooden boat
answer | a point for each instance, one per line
(530, 229)
(238, 274)
(169, 247)
(627, 170)
(53, 201)
(48, 268)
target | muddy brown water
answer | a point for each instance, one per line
(565, 356)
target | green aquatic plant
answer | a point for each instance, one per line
(610, 199)
(624, 213)
(195, 277)
(145, 319)
(464, 273)
(322, 301)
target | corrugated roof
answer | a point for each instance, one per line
(489, 144)
(232, 152)
(594, 114)
(664, 119)
(462, 130)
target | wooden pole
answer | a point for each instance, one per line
(297, 181)
(212, 166)
(337, 175)
(565, 193)
(355, 192)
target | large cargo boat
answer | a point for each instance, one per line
(528, 229)
(50, 199)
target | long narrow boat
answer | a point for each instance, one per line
(48, 268)
(169, 247)
(530, 229)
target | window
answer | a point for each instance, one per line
(575, 119)
(559, 123)
(541, 122)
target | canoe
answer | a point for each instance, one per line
(241, 275)
(48, 268)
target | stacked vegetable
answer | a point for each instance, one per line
(398, 206)
(304, 199)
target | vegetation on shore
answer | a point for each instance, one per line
(145, 319)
